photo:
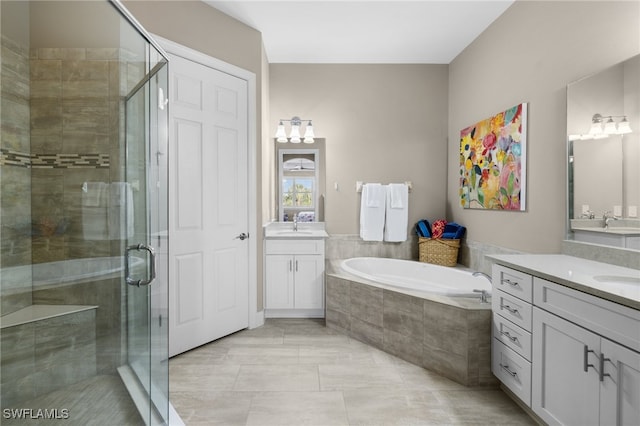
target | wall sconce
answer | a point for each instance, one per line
(601, 128)
(294, 134)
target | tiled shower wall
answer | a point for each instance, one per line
(77, 128)
(62, 126)
(75, 116)
(15, 178)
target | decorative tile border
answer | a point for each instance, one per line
(14, 158)
(54, 161)
(70, 161)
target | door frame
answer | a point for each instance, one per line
(256, 318)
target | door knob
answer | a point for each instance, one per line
(242, 237)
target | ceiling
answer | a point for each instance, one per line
(365, 31)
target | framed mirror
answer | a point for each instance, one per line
(603, 123)
(301, 185)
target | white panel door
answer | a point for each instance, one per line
(209, 285)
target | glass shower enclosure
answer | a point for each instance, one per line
(83, 216)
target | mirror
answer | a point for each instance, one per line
(604, 160)
(301, 179)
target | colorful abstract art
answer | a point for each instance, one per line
(493, 161)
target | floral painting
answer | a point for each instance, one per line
(493, 161)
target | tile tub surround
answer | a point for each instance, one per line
(451, 339)
(345, 246)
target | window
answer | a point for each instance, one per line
(298, 185)
(297, 192)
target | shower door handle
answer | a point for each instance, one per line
(152, 266)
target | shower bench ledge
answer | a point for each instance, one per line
(33, 313)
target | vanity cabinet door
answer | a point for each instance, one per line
(309, 282)
(620, 385)
(565, 379)
(279, 278)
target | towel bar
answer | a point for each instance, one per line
(360, 183)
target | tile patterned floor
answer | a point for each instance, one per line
(298, 372)
(98, 401)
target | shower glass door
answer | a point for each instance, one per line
(145, 252)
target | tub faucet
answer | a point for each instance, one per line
(483, 295)
(482, 274)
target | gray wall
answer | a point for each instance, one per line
(529, 54)
(382, 123)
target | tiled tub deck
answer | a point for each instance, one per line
(449, 336)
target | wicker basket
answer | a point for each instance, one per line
(439, 251)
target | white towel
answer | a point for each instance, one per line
(372, 210)
(397, 194)
(94, 210)
(397, 209)
(374, 195)
(120, 211)
(94, 194)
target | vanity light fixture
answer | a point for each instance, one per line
(601, 128)
(294, 134)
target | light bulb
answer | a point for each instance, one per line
(308, 133)
(294, 136)
(281, 134)
(624, 127)
(610, 127)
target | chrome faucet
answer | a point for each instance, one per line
(483, 295)
(481, 274)
(295, 222)
(608, 217)
(588, 215)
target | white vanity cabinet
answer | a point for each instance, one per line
(294, 278)
(580, 374)
(511, 331)
(572, 357)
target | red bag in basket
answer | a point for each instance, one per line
(437, 229)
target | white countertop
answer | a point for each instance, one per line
(616, 227)
(286, 230)
(610, 282)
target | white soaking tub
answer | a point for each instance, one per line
(418, 276)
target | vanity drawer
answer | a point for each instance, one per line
(512, 370)
(616, 322)
(513, 282)
(515, 310)
(297, 246)
(514, 337)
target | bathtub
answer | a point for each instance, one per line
(417, 276)
(63, 272)
(426, 314)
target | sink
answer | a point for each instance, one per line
(617, 279)
(292, 233)
(306, 230)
